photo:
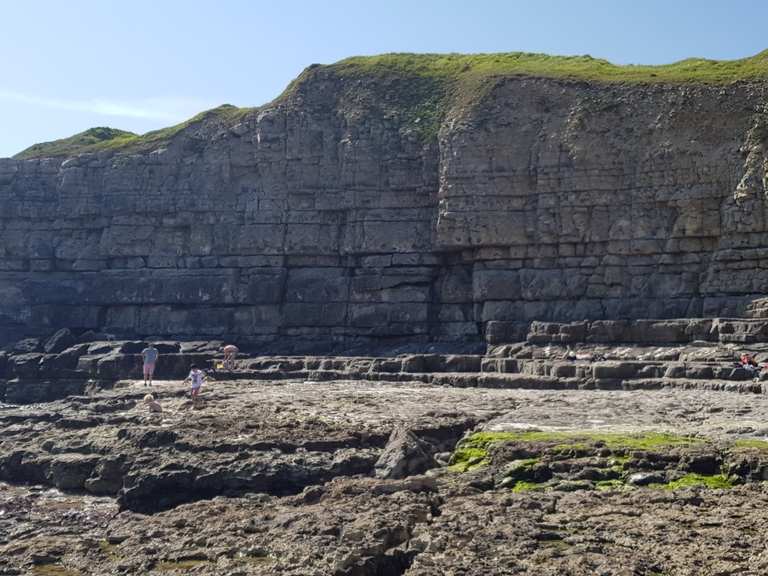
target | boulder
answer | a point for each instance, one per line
(25, 365)
(167, 347)
(70, 471)
(645, 478)
(616, 370)
(107, 476)
(132, 347)
(115, 366)
(176, 366)
(61, 340)
(101, 347)
(404, 455)
(27, 345)
(52, 365)
(93, 336)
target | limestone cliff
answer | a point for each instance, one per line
(388, 202)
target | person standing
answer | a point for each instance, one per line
(149, 354)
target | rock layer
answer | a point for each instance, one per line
(330, 215)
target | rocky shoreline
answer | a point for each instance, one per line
(642, 354)
(357, 477)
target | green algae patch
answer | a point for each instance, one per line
(571, 448)
(581, 440)
(618, 461)
(714, 482)
(526, 486)
(751, 443)
(474, 451)
(109, 550)
(524, 466)
(467, 458)
(610, 485)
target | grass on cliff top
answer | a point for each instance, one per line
(105, 139)
(542, 65)
(432, 84)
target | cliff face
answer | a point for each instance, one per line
(350, 208)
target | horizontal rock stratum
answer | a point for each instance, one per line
(418, 196)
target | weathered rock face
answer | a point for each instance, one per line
(327, 216)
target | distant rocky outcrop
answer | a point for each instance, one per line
(405, 198)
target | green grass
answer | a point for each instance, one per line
(457, 66)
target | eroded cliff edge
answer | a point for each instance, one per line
(376, 204)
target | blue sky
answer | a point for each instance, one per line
(141, 65)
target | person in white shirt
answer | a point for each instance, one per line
(196, 378)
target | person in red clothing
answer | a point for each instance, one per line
(750, 365)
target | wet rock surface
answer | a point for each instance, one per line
(351, 477)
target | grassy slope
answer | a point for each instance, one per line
(438, 80)
(94, 137)
(576, 67)
(100, 139)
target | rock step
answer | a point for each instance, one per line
(508, 381)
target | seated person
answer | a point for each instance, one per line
(152, 404)
(750, 365)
